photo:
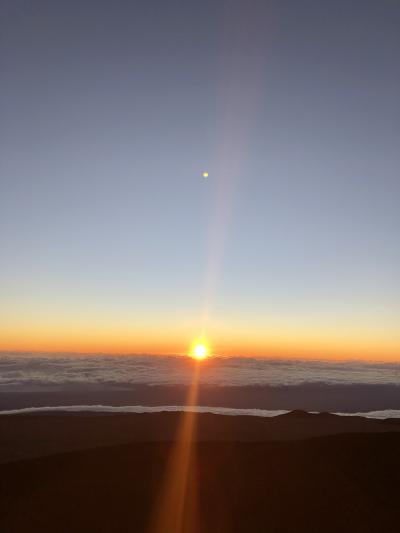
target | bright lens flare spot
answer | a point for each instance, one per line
(205, 174)
(199, 351)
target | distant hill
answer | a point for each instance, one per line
(25, 436)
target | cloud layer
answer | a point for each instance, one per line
(59, 371)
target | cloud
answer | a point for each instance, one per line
(36, 371)
(380, 415)
(389, 413)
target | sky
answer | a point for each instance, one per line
(110, 238)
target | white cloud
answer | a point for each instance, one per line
(18, 371)
(389, 413)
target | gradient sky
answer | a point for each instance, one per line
(111, 240)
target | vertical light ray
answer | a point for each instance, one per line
(177, 507)
(176, 510)
(244, 31)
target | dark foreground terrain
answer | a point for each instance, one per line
(342, 481)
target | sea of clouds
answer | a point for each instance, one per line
(33, 371)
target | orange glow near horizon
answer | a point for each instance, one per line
(236, 340)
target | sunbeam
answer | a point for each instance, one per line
(177, 505)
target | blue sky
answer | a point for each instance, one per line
(109, 118)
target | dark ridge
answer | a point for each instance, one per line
(35, 435)
(325, 414)
(343, 483)
(297, 413)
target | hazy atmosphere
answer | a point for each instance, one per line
(111, 238)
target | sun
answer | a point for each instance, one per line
(199, 351)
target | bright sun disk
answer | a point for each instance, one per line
(199, 351)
